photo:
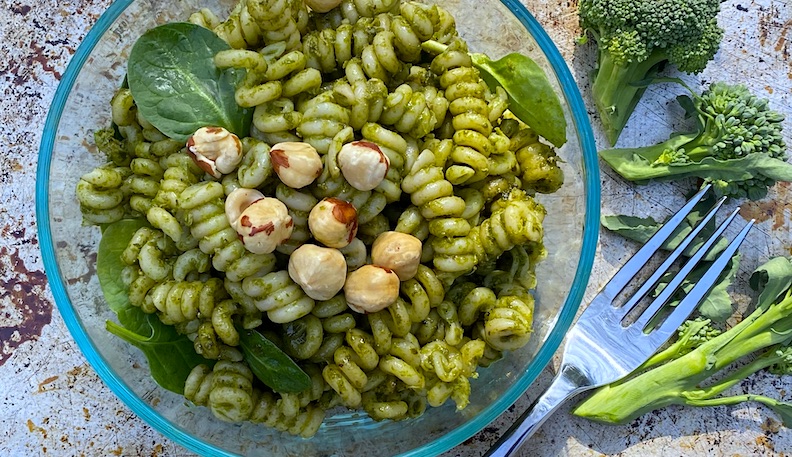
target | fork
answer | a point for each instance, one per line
(602, 347)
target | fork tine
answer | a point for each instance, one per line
(639, 259)
(683, 310)
(651, 282)
(678, 278)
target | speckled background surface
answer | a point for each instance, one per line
(53, 403)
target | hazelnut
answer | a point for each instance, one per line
(322, 6)
(321, 272)
(296, 164)
(215, 150)
(333, 222)
(370, 289)
(363, 164)
(261, 222)
(399, 252)
(238, 200)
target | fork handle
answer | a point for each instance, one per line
(566, 384)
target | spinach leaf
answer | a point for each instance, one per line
(178, 88)
(271, 365)
(170, 355)
(531, 97)
(109, 266)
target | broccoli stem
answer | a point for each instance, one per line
(638, 164)
(769, 358)
(614, 92)
(782, 408)
(677, 380)
(699, 148)
(733, 400)
(701, 145)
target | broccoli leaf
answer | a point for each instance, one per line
(783, 410)
(717, 304)
(772, 279)
(635, 228)
(640, 229)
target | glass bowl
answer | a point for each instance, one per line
(80, 106)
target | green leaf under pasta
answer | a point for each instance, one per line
(108, 261)
(170, 355)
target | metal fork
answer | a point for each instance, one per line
(601, 348)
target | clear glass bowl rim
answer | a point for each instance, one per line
(447, 442)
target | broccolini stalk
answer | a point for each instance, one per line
(635, 38)
(736, 145)
(675, 376)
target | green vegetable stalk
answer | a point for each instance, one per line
(703, 362)
(635, 39)
(736, 145)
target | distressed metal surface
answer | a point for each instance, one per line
(52, 402)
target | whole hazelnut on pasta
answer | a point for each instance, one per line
(371, 288)
(399, 252)
(333, 222)
(363, 164)
(262, 223)
(321, 272)
(238, 200)
(215, 150)
(322, 6)
(297, 164)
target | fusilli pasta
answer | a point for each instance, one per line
(461, 175)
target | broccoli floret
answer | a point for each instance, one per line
(703, 363)
(736, 145)
(784, 364)
(692, 334)
(636, 38)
